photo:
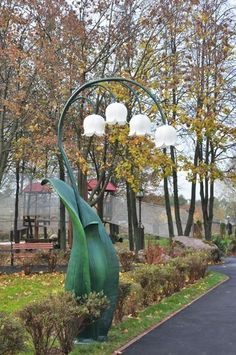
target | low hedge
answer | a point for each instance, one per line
(148, 284)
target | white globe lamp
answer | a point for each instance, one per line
(116, 113)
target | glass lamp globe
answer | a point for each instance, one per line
(94, 124)
(165, 136)
(140, 125)
(170, 135)
(116, 113)
(159, 137)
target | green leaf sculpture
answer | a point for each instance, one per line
(93, 264)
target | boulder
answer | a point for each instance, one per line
(197, 244)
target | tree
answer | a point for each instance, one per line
(210, 91)
(17, 76)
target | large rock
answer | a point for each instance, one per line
(197, 244)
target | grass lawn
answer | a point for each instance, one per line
(18, 290)
(162, 241)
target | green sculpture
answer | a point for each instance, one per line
(93, 265)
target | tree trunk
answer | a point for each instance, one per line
(62, 223)
(204, 203)
(130, 224)
(16, 234)
(211, 207)
(207, 208)
(100, 206)
(176, 194)
(168, 208)
(191, 211)
(134, 221)
(82, 184)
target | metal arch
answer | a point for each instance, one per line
(94, 83)
(70, 101)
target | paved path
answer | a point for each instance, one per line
(207, 327)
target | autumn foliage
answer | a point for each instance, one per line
(182, 50)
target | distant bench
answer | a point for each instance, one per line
(29, 249)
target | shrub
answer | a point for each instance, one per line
(124, 292)
(52, 261)
(133, 301)
(158, 281)
(38, 321)
(63, 256)
(48, 258)
(232, 246)
(69, 319)
(95, 303)
(12, 336)
(197, 229)
(171, 280)
(60, 317)
(176, 249)
(127, 259)
(223, 243)
(4, 259)
(193, 266)
(154, 254)
(150, 279)
(27, 264)
(130, 300)
(222, 229)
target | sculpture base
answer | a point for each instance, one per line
(88, 341)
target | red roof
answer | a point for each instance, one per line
(37, 187)
(109, 188)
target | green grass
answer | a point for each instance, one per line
(17, 290)
(164, 242)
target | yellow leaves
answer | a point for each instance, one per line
(201, 171)
(119, 91)
(118, 134)
(99, 148)
(76, 157)
(34, 128)
(20, 147)
(12, 106)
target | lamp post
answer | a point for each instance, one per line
(93, 264)
(140, 242)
